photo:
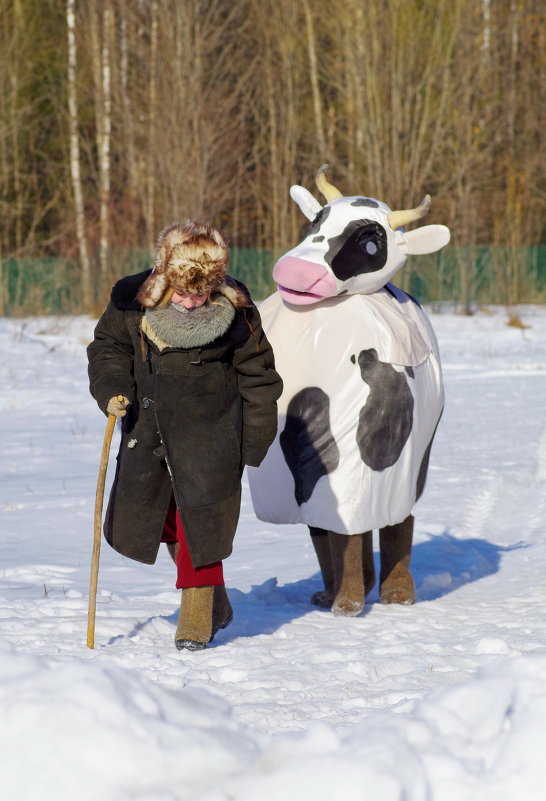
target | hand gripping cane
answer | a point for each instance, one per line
(97, 533)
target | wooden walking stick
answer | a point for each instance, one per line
(97, 533)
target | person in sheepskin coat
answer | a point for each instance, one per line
(181, 356)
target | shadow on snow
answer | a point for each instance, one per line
(439, 565)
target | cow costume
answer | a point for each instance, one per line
(362, 396)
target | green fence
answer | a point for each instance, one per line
(462, 276)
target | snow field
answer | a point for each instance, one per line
(442, 701)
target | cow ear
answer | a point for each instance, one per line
(305, 201)
(426, 239)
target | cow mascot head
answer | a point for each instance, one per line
(362, 397)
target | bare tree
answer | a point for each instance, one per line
(105, 132)
(75, 154)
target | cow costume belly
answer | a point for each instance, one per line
(362, 397)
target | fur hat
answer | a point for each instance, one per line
(191, 257)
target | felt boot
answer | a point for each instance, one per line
(323, 598)
(346, 550)
(222, 613)
(395, 581)
(194, 630)
(368, 566)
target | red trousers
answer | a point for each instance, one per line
(187, 574)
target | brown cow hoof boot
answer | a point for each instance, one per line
(399, 587)
(222, 613)
(368, 566)
(323, 598)
(194, 630)
(396, 585)
(346, 550)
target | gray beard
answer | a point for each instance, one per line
(191, 328)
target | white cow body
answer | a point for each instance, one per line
(317, 346)
(362, 395)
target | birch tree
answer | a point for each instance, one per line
(104, 141)
(75, 155)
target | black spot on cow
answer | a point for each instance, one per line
(314, 228)
(309, 448)
(385, 422)
(423, 468)
(365, 201)
(353, 358)
(360, 248)
(318, 238)
(409, 371)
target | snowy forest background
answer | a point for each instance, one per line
(118, 117)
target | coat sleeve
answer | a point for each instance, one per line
(260, 386)
(110, 358)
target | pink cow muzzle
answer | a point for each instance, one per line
(300, 281)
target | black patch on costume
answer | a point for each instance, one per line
(365, 201)
(314, 228)
(385, 422)
(309, 448)
(360, 248)
(423, 468)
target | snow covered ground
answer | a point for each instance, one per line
(441, 701)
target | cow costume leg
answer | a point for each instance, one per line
(323, 598)
(319, 537)
(368, 566)
(395, 580)
(348, 578)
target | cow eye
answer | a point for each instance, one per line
(368, 241)
(360, 248)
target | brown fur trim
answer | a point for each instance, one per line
(191, 257)
(235, 293)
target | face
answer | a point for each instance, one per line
(188, 300)
(349, 248)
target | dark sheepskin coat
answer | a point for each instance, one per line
(196, 418)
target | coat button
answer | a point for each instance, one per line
(146, 403)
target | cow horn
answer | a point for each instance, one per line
(404, 216)
(329, 191)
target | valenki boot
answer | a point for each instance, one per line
(396, 584)
(323, 598)
(194, 629)
(203, 612)
(222, 613)
(346, 551)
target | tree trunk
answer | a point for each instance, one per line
(75, 156)
(152, 142)
(104, 144)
